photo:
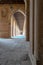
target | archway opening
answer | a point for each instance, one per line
(18, 25)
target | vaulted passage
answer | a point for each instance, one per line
(14, 42)
(21, 32)
(20, 19)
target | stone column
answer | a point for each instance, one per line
(27, 19)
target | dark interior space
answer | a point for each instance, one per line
(11, 1)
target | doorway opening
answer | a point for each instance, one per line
(18, 25)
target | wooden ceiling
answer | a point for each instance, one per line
(11, 1)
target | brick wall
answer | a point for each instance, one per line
(5, 18)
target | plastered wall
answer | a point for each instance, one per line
(38, 31)
(31, 24)
(40, 39)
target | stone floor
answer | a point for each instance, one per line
(14, 52)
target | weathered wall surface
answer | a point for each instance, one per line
(5, 18)
(31, 24)
(34, 30)
(40, 31)
(32, 57)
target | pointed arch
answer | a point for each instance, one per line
(20, 17)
